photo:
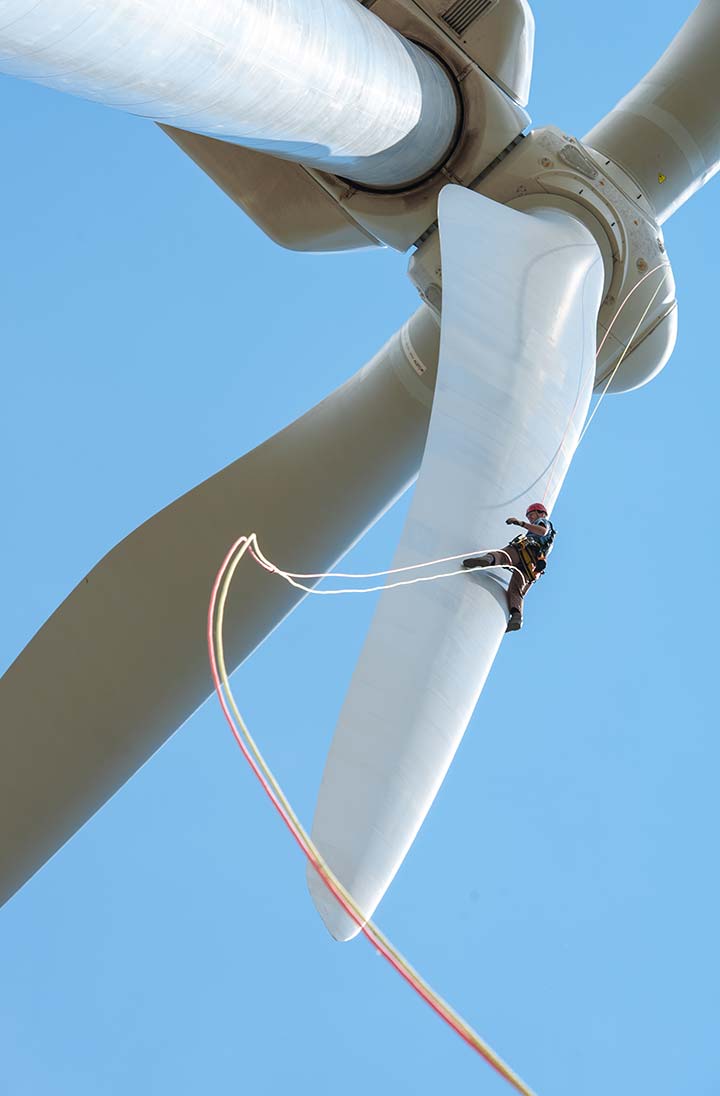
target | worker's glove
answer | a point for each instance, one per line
(512, 521)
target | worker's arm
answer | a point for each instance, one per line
(539, 530)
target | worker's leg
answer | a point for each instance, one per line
(515, 594)
(506, 556)
(516, 590)
(488, 560)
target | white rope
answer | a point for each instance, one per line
(368, 574)
(290, 577)
(625, 301)
(627, 347)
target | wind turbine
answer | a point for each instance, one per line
(569, 234)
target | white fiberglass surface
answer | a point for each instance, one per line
(322, 81)
(521, 294)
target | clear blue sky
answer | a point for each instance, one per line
(563, 893)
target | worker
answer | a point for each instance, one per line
(526, 554)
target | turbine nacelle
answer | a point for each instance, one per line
(485, 46)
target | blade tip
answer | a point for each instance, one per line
(339, 924)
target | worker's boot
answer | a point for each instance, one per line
(479, 561)
(515, 621)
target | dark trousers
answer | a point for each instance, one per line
(519, 584)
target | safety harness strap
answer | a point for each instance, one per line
(533, 552)
(528, 559)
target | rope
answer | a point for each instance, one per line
(290, 576)
(625, 300)
(270, 785)
(627, 347)
(350, 574)
(619, 362)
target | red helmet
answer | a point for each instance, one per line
(536, 506)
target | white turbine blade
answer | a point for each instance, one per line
(521, 294)
(123, 661)
(666, 132)
(325, 82)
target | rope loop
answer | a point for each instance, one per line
(256, 761)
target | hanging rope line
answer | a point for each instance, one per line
(291, 577)
(664, 265)
(660, 266)
(629, 342)
(261, 559)
(273, 790)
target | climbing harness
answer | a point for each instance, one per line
(531, 563)
(533, 550)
